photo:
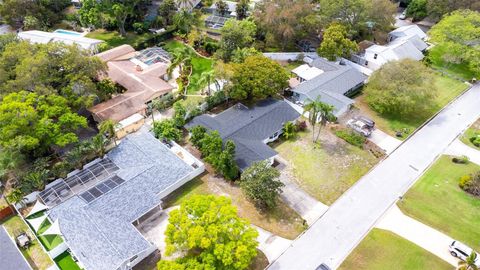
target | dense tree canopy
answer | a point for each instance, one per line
(335, 43)
(260, 183)
(33, 14)
(167, 129)
(29, 122)
(358, 14)
(285, 21)
(235, 35)
(257, 78)
(438, 8)
(52, 68)
(402, 88)
(460, 33)
(208, 230)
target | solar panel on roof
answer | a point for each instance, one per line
(87, 197)
(95, 192)
(110, 183)
(103, 188)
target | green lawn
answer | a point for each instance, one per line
(381, 250)
(437, 201)
(460, 70)
(66, 262)
(325, 170)
(473, 130)
(282, 220)
(114, 39)
(200, 64)
(448, 89)
(36, 257)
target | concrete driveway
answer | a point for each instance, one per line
(458, 148)
(420, 234)
(331, 238)
(384, 141)
(271, 245)
(305, 205)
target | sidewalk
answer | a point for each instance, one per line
(458, 148)
(422, 235)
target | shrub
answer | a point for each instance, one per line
(210, 47)
(289, 130)
(215, 99)
(196, 135)
(179, 115)
(470, 183)
(167, 129)
(460, 160)
(475, 140)
(301, 125)
(351, 137)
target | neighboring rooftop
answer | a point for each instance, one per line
(67, 37)
(332, 84)
(98, 227)
(249, 127)
(406, 31)
(140, 73)
(10, 255)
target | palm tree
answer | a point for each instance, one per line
(207, 77)
(318, 112)
(108, 128)
(469, 263)
(99, 143)
(179, 57)
(185, 4)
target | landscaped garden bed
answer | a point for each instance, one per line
(438, 201)
(382, 250)
(199, 63)
(325, 169)
(471, 136)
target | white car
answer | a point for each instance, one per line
(359, 127)
(462, 251)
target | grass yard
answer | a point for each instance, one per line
(382, 250)
(65, 262)
(448, 89)
(34, 254)
(437, 201)
(473, 130)
(200, 64)
(282, 221)
(327, 169)
(460, 70)
(114, 39)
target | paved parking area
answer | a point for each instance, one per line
(416, 232)
(384, 141)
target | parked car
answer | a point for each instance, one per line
(462, 251)
(23, 240)
(369, 122)
(359, 127)
(322, 267)
(403, 16)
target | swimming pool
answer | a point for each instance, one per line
(66, 32)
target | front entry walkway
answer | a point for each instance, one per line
(305, 205)
(422, 235)
(271, 245)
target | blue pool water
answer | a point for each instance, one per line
(65, 32)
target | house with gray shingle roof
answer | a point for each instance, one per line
(99, 207)
(250, 128)
(10, 255)
(332, 83)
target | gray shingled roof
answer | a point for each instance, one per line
(10, 256)
(101, 233)
(331, 85)
(248, 127)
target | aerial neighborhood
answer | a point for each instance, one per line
(243, 134)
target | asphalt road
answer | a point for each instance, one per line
(331, 238)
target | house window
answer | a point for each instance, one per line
(375, 56)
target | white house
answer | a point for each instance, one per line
(407, 42)
(64, 36)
